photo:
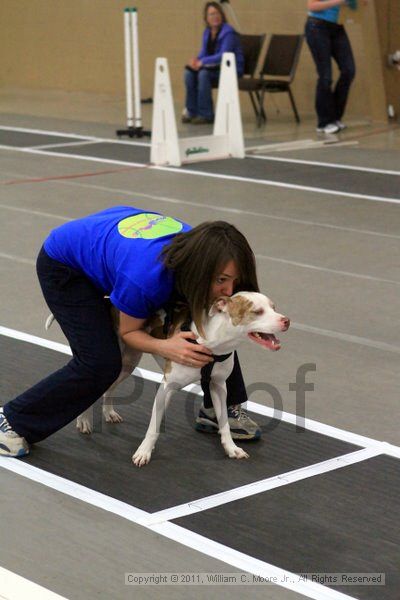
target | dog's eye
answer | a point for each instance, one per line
(258, 312)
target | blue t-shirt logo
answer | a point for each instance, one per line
(148, 226)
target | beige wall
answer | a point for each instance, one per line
(77, 45)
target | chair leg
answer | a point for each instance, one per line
(261, 115)
(296, 114)
(253, 104)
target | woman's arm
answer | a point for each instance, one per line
(228, 44)
(175, 348)
(317, 5)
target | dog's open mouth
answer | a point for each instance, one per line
(268, 340)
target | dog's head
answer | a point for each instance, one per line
(255, 315)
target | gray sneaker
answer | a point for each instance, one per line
(241, 426)
(11, 444)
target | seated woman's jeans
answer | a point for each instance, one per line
(328, 40)
(199, 84)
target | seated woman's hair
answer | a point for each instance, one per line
(217, 7)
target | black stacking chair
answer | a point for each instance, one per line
(252, 46)
(279, 70)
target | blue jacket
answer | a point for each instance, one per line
(227, 41)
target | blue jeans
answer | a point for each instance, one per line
(85, 318)
(199, 84)
(328, 40)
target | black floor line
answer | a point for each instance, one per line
(342, 522)
(186, 464)
(315, 176)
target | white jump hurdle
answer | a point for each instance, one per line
(227, 138)
(132, 77)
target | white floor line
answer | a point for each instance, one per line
(258, 487)
(45, 132)
(265, 182)
(169, 530)
(36, 213)
(62, 145)
(203, 206)
(305, 145)
(244, 562)
(15, 587)
(309, 424)
(345, 337)
(18, 259)
(316, 426)
(229, 209)
(327, 164)
(326, 270)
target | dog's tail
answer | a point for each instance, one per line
(49, 321)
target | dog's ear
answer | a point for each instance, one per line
(219, 305)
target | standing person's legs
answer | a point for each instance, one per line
(241, 425)
(343, 55)
(318, 36)
(86, 321)
(235, 387)
(191, 83)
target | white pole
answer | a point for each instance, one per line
(136, 73)
(128, 68)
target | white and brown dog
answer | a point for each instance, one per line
(230, 321)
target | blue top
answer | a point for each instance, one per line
(118, 249)
(227, 41)
(330, 14)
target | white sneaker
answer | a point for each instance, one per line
(330, 128)
(11, 444)
(341, 125)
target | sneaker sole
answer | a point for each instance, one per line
(5, 451)
(205, 428)
(19, 454)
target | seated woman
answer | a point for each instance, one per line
(202, 72)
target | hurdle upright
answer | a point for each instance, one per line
(132, 77)
(226, 140)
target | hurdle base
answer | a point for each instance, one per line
(133, 132)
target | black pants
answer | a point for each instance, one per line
(329, 41)
(84, 316)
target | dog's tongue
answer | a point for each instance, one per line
(267, 340)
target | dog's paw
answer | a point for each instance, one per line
(111, 416)
(84, 425)
(142, 455)
(235, 452)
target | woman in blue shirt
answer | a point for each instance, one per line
(203, 71)
(138, 258)
(328, 39)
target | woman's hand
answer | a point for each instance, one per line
(178, 349)
(195, 64)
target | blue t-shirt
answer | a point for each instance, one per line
(118, 249)
(329, 14)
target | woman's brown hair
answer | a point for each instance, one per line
(197, 256)
(217, 7)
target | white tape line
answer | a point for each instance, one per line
(15, 587)
(315, 163)
(309, 424)
(247, 563)
(168, 530)
(261, 486)
(185, 171)
(75, 490)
